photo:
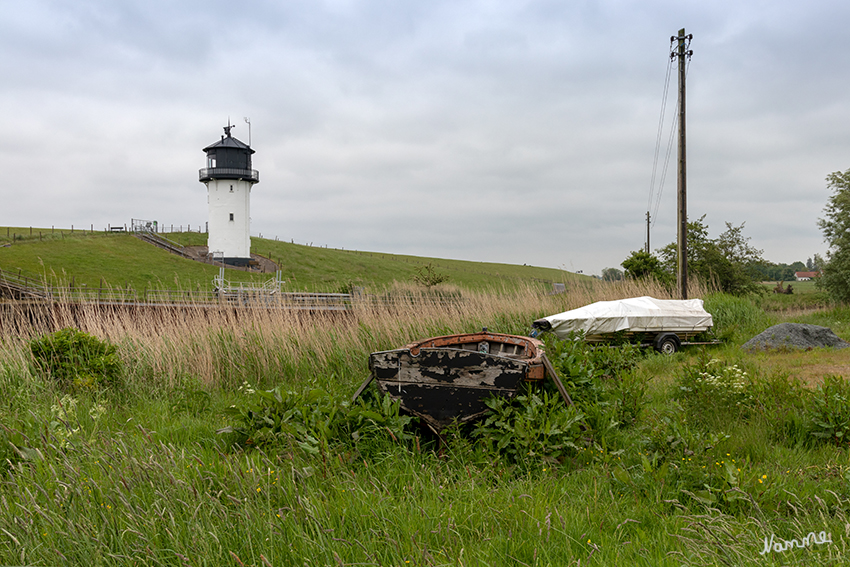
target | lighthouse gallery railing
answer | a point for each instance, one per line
(229, 173)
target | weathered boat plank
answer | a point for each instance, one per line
(460, 368)
(439, 405)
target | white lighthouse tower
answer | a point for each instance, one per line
(229, 178)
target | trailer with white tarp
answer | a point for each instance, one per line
(665, 324)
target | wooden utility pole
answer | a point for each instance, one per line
(647, 232)
(682, 52)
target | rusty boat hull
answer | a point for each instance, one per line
(447, 379)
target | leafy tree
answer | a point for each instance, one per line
(770, 271)
(612, 275)
(729, 261)
(736, 248)
(835, 277)
(743, 257)
(642, 264)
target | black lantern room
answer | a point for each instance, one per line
(229, 158)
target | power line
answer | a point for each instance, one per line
(658, 134)
(667, 155)
(669, 151)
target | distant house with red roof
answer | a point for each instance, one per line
(806, 276)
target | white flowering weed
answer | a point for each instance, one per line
(713, 384)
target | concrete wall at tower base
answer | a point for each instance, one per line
(240, 262)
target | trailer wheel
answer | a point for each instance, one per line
(667, 343)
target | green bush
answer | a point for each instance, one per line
(76, 360)
(829, 412)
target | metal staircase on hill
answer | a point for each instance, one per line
(147, 235)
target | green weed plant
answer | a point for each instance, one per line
(829, 411)
(76, 360)
(711, 389)
(532, 429)
(314, 421)
(602, 380)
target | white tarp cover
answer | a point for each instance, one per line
(637, 314)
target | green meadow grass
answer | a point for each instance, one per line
(150, 482)
(117, 260)
(332, 269)
(139, 474)
(108, 260)
(807, 296)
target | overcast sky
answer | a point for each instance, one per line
(502, 131)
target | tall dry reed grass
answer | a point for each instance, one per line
(219, 346)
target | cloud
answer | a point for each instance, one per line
(498, 131)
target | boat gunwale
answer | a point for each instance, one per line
(534, 350)
(531, 362)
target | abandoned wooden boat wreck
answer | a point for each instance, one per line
(446, 379)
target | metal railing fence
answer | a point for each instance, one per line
(20, 286)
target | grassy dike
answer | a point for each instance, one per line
(119, 260)
(665, 471)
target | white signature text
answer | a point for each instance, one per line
(780, 545)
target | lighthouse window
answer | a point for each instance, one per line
(231, 188)
(211, 161)
(231, 216)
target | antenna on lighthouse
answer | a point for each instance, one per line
(248, 122)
